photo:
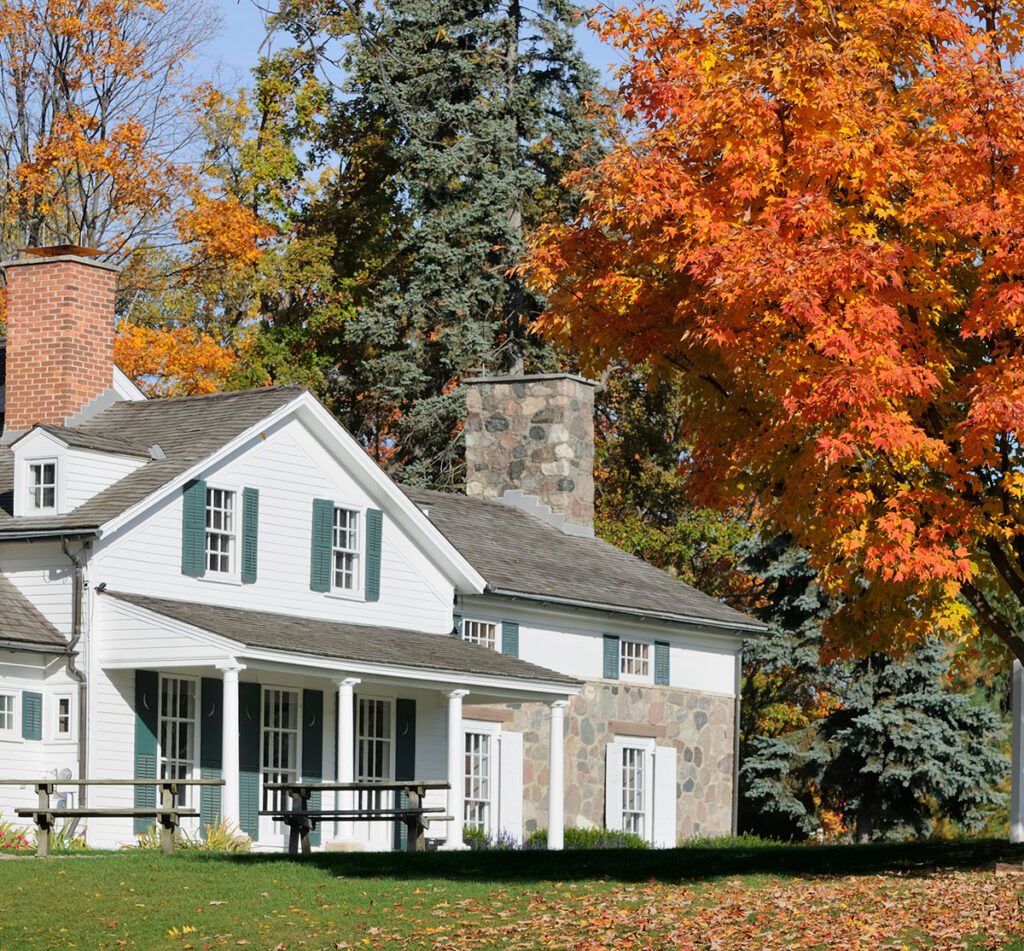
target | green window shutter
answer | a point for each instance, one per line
(250, 737)
(323, 545)
(405, 760)
(147, 709)
(374, 527)
(31, 715)
(211, 741)
(313, 749)
(250, 532)
(510, 638)
(457, 626)
(661, 663)
(193, 528)
(611, 656)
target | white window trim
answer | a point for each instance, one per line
(54, 719)
(358, 593)
(647, 678)
(234, 576)
(14, 733)
(58, 485)
(646, 745)
(496, 646)
(493, 730)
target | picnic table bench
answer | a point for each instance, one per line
(301, 820)
(167, 814)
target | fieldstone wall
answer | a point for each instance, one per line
(700, 726)
(534, 434)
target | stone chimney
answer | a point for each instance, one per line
(60, 335)
(530, 443)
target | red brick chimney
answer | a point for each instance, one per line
(60, 335)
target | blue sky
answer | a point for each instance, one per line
(243, 33)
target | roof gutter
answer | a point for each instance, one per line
(752, 627)
(55, 650)
(86, 534)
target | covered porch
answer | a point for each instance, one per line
(256, 698)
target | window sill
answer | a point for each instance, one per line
(214, 578)
(342, 595)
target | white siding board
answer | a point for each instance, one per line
(89, 473)
(43, 574)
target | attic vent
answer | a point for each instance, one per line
(155, 452)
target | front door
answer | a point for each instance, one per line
(375, 760)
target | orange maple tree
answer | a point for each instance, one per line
(816, 218)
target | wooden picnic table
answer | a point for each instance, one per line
(301, 820)
(166, 813)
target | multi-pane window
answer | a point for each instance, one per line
(634, 790)
(177, 731)
(478, 781)
(220, 530)
(6, 712)
(484, 633)
(42, 485)
(280, 742)
(373, 748)
(634, 659)
(346, 549)
(63, 716)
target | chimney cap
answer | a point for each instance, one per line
(62, 250)
(530, 378)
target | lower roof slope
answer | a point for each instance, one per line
(22, 623)
(351, 642)
(519, 554)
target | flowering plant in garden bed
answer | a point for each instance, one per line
(14, 838)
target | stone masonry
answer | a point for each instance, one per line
(60, 337)
(534, 434)
(700, 726)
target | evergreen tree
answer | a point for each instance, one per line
(887, 743)
(483, 107)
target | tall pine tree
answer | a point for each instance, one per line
(485, 104)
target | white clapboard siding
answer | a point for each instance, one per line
(44, 575)
(510, 785)
(290, 469)
(664, 797)
(89, 473)
(572, 643)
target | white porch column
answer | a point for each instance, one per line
(346, 750)
(229, 794)
(556, 776)
(1017, 756)
(456, 770)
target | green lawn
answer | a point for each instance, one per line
(911, 896)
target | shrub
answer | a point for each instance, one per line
(574, 838)
(223, 837)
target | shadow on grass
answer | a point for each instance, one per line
(625, 865)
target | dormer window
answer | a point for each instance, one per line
(42, 486)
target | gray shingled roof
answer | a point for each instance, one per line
(351, 642)
(21, 623)
(520, 554)
(187, 429)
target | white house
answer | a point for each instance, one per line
(228, 586)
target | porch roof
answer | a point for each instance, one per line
(359, 643)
